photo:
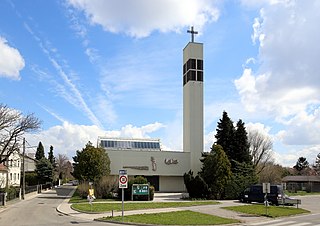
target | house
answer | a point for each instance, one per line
(3, 176)
(302, 183)
(29, 162)
(14, 169)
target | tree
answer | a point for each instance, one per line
(225, 134)
(301, 166)
(13, 125)
(40, 151)
(272, 173)
(51, 157)
(240, 144)
(243, 175)
(316, 166)
(44, 171)
(260, 149)
(216, 171)
(91, 163)
(63, 167)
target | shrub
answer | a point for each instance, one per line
(83, 190)
(105, 187)
(128, 191)
(196, 186)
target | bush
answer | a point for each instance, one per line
(31, 178)
(196, 186)
(83, 190)
(105, 187)
(128, 191)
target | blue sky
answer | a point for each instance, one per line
(114, 68)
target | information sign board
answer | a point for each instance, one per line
(140, 189)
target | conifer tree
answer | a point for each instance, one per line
(216, 171)
(51, 157)
(40, 151)
(225, 135)
(241, 152)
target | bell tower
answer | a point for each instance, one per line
(193, 101)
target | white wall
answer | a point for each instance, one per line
(167, 163)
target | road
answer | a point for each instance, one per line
(310, 203)
(41, 211)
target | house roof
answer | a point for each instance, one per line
(301, 179)
(3, 167)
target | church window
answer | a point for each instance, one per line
(200, 76)
(200, 64)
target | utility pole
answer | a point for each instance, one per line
(23, 170)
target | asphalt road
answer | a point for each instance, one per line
(311, 203)
(41, 211)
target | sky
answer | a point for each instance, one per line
(89, 68)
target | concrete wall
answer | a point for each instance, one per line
(149, 163)
(193, 110)
(171, 184)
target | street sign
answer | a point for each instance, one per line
(140, 189)
(266, 188)
(123, 179)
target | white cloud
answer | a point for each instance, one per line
(11, 61)
(292, 154)
(286, 84)
(68, 138)
(141, 17)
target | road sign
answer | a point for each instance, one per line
(123, 179)
(140, 189)
(266, 188)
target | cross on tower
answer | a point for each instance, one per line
(192, 33)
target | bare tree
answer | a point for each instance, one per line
(260, 149)
(12, 127)
(63, 166)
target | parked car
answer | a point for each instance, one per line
(254, 193)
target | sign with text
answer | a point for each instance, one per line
(266, 188)
(123, 179)
(140, 189)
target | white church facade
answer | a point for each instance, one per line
(144, 157)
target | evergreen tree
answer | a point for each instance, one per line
(51, 157)
(243, 175)
(225, 135)
(216, 171)
(317, 165)
(196, 186)
(44, 171)
(301, 165)
(91, 163)
(241, 152)
(40, 152)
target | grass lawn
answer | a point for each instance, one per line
(273, 211)
(301, 193)
(174, 218)
(117, 206)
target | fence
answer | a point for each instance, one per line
(14, 193)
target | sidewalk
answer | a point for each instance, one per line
(65, 208)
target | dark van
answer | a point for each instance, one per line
(254, 193)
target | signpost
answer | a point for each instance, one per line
(266, 191)
(123, 183)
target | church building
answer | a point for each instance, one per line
(145, 157)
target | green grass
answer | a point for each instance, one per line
(273, 211)
(174, 218)
(301, 193)
(117, 206)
